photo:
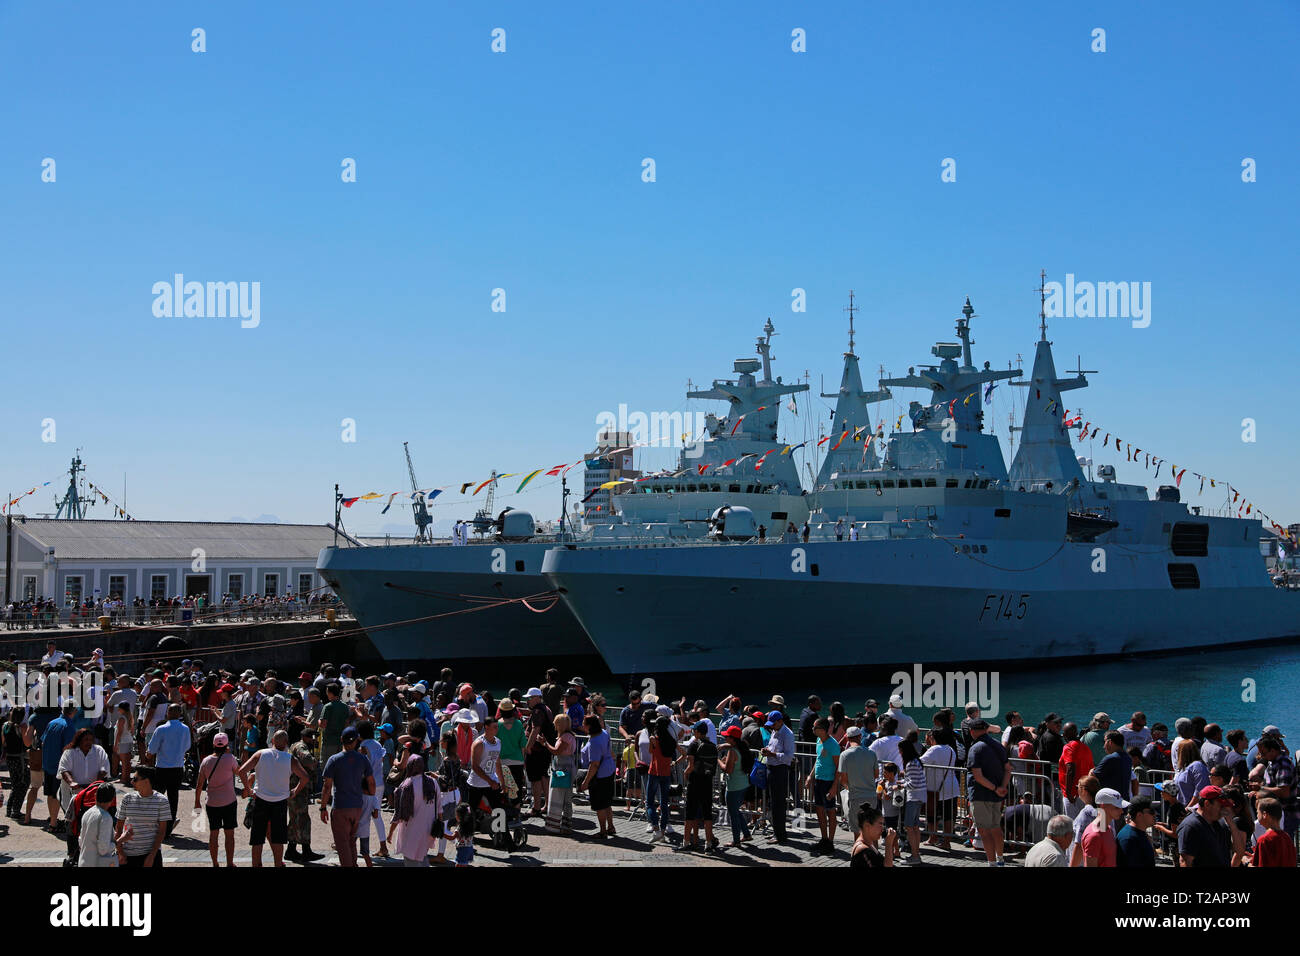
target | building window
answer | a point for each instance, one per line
(29, 587)
(271, 585)
(72, 589)
(157, 587)
(304, 586)
(235, 586)
(117, 586)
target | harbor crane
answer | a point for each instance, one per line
(418, 506)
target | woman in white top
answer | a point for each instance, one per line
(941, 784)
(484, 776)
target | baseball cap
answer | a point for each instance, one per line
(1272, 731)
(759, 715)
(1100, 716)
(1212, 793)
(979, 723)
(896, 700)
(305, 675)
(854, 732)
(534, 692)
(663, 710)
(349, 733)
(387, 728)
(701, 726)
(733, 731)
(221, 740)
(1052, 718)
(1110, 797)
(774, 716)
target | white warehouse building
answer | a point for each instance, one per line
(71, 560)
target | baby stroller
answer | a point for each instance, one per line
(201, 747)
(505, 824)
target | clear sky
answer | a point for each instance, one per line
(522, 170)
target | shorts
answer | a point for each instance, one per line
(221, 818)
(987, 814)
(537, 765)
(602, 793)
(912, 813)
(277, 815)
(51, 785)
(699, 802)
(822, 795)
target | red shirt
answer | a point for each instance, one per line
(1274, 848)
(660, 765)
(1099, 844)
(1076, 752)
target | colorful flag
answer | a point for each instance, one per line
(347, 502)
(1178, 480)
(531, 476)
(701, 469)
(737, 425)
(390, 503)
(988, 390)
(464, 486)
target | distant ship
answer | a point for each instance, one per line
(939, 554)
(441, 602)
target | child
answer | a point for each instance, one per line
(250, 735)
(1273, 847)
(464, 835)
(893, 796)
(450, 778)
(124, 740)
(390, 751)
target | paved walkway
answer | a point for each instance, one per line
(33, 846)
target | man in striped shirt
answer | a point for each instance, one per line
(142, 817)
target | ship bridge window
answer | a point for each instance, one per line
(862, 486)
(690, 487)
(916, 483)
(733, 488)
(984, 483)
(889, 482)
(751, 489)
(1190, 539)
(1002, 512)
(968, 483)
(931, 483)
(519, 566)
(950, 483)
(717, 487)
(875, 486)
(1184, 577)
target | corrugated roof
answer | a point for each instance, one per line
(176, 540)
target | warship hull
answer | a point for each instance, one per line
(439, 602)
(872, 604)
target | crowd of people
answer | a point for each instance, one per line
(41, 613)
(426, 771)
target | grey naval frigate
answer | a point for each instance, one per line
(487, 599)
(939, 554)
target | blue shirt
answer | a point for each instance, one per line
(827, 751)
(597, 751)
(348, 769)
(1133, 848)
(168, 743)
(58, 734)
(781, 744)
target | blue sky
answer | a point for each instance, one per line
(522, 171)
